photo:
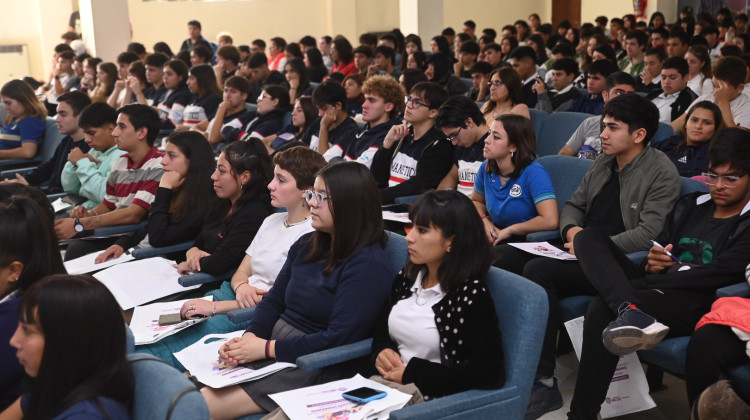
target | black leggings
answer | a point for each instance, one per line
(713, 350)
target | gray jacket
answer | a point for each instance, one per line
(649, 188)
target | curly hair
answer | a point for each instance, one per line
(387, 88)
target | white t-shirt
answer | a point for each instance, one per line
(701, 89)
(664, 103)
(411, 323)
(740, 107)
(270, 247)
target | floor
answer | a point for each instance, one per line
(671, 401)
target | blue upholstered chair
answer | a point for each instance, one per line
(143, 253)
(51, 138)
(556, 131)
(467, 82)
(537, 119)
(665, 131)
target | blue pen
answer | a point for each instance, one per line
(669, 254)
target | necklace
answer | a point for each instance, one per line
(288, 225)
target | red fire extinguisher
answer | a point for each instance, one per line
(639, 8)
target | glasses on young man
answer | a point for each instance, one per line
(415, 103)
(317, 198)
(454, 136)
(729, 181)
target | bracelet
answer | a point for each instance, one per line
(238, 286)
(95, 212)
(213, 313)
(268, 349)
(485, 216)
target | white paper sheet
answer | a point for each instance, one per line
(396, 217)
(201, 359)
(137, 282)
(86, 264)
(145, 321)
(324, 402)
(59, 205)
(544, 249)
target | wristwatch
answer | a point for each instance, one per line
(78, 226)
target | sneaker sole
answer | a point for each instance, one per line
(534, 416)
(625, 340)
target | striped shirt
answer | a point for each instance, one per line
(130, 183)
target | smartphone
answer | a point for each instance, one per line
(170, 319)
(364, 394)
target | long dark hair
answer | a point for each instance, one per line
(196, 193)
(298, 66)
(707, 105)
(311, 113)
(250, 155)
(206, 79)
(521, 134)
(84, 352)
(355, 205)
(454, 214)
(27, 236)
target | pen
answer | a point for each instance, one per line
(669, 254)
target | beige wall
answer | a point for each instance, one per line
(590, 9)
(18, 30)
(493, 14)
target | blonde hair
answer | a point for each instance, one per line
(20, 91)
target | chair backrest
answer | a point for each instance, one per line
(522, 310)
(665, 131)
(397, 250)
(286, 120)
(467, 82)
(162, 392)
(689, 185)
(556, 130)
(537, 119)
(52, 138)
(566, 173)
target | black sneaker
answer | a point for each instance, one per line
(543, 399)
(633, 330)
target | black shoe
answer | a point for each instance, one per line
(543, 399)
(633, 330)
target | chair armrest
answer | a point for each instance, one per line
(241, 315)
(11, 173)
(202, 278)
(738, 290)
(142, 253)
(456, 404)
(10, 163)
(407, 199)
(117, 230)
(542, 236)
(53, 197)
(336, 355)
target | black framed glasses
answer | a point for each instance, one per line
(416, 103)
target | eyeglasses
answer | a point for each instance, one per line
(316, 197)
(454, 136)
(496, 83)
(729, 181)
(262, 97)
(416, 103)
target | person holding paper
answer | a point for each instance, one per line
(328, 293)
(294, 172)
(421, 337)
(90, 379)
(28, 252)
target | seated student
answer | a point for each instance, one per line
(636, 307)
(711, 33)
(505, 95)
(411, 77)
(729, 84)
(480, 79)
(495, 56)
(136, 81)
(362, 59)
(106, 76)
(242, 173)
(512, 193)
(316, 70)
(677, 44)
(24, 127)
(276, 56)
(383, 63)
(201, 54)
(69, 106)
(342, 55)
(67, 382)
(585, 141)
(416, 340)
(688, 149)
(29, 253)
(354, 96)
(273, 104)
(227, 63)
(296, 77)
(629, 174)
(155, 93)
(383, 104)
(64, 79)
(593, 103)
(328, 293)
(650, 78)
(415, 156)
(206, 98)
(131, 185)
(330, 99)
(561, 98)
(89, 79)
(230, 110)
(523, 60)
(635, 45)
(182, 201)
(262, 76)
(467, 57)
(303, 115)
(439, 71)
(699, 73)
(673, 97)
(172, 108)
(294, 172)
(124, 60)
(85, 173)
(463, 123)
